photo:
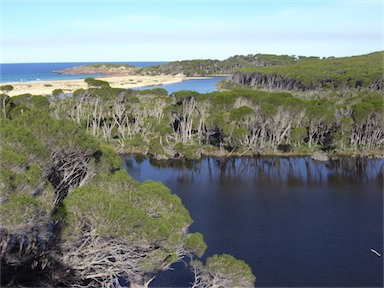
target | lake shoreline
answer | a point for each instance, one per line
(259, 154)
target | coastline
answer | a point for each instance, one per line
(45, 88)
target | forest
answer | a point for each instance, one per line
(61, 157)
(363, 71)
(234, 122)
(72, 217)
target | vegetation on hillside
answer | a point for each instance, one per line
(201, 67)
(71, 217)
(364, 71)
(239, 122)
(210, 67)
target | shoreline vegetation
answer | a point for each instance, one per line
(267, 107)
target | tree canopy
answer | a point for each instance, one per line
(314, 73)
(72, 217)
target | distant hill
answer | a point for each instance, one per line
(266, 71)
(223, 67)
(364, 71)
(190, 68)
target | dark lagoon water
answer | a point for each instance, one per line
(296, 222)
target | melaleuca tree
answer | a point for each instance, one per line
(222, 271)
(4, 97)
(6, 88)
(42, 160)
(95, 83)
(135, 231)
(368, 132)
(244, 130)
(49, 193)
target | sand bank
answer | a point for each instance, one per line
(68, 86)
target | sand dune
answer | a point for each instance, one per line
(68, 86)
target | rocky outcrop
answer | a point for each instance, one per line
(100, 69)
(320, 156)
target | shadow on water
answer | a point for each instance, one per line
(295, 221)
(295, 171)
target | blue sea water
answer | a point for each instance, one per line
(25, 72)
(21, 72)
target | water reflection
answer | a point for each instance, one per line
(295, 221)
(278, 171)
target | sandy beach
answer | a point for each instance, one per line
(68, 86)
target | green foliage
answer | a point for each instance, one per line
(154, 92)
(111, 65)
(39, 155)
(361, 111)
(17, 138)
(126, 209)
(240, 120)
(107, 159)
(77, 93)
(223, 100)
(268, 109)
(154, 197)
(39, 102)
(313, 73)
(240, 113)
(209, 67)
(21, 99)
(66, 134)
(155, 146)
(17, 111)
(297, 135)
(18, 175)
(195, 243)
(227, 266)
(239, 133)
(23, 103)
(57, 92)
(21, 209)
(190, 151)
(6, 88)
(106, 93)
(185, 94)
(223, 271)
(136, 144)
(113, 217)
(95, 83)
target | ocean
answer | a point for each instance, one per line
(23, 72)
(26, 72)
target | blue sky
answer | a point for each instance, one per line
(127, 30)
